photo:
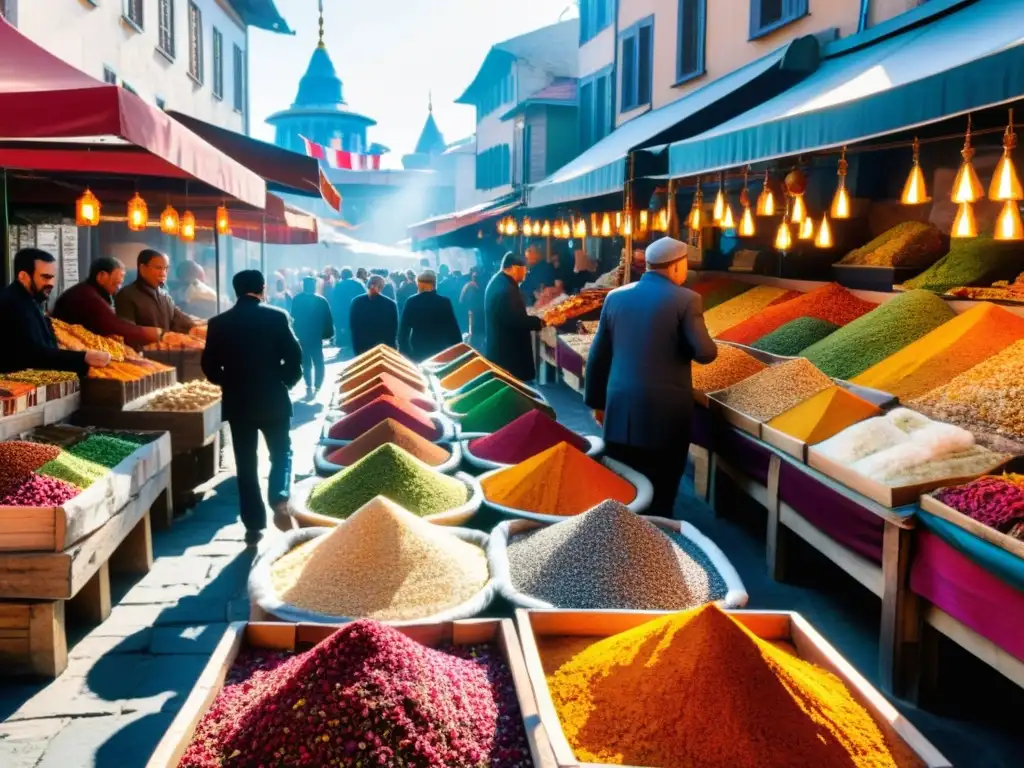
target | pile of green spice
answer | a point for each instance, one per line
(971, 261)
(610, 558)
(501, 408)
(719, 290)
(105, 450)
(393, 473)
(366, 696)
(870, 339)
(795, 336)
(908, 244)
(467, 401)
(71, 469)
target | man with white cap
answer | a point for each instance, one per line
(638, 372)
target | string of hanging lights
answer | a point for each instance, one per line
(88, 209)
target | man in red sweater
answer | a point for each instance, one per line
(91, 304)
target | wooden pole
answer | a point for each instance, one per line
(627, 213)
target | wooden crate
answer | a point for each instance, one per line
(785, 628)
(287, 637)
(189, 430)
(186, 362)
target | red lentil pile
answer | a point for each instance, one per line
(831, 302)
(38, 491)
(365, 696)
(366, 418)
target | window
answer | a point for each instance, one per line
(768, 15)
(595, 112)
(502, 91)
(132, 13)
(690, 62)
(195, 42)
(218, 64)
(494, 167)
(109, 76)
(527, 159)
(239, 80)
(595, 16)
(637, 64)
(165, 13)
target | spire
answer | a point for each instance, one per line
(321, 43)
(430, 102)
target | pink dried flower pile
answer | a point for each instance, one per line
(365, 696)
(38, 491)
(998, 502)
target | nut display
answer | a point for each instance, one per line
(41, 378)
(79, 339)
(193, 396)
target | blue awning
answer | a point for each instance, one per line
(601, 169)
(969, 59)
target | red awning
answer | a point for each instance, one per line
(44, 98)
(286, 226)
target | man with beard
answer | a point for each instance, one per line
(147, 302)
(29, 339)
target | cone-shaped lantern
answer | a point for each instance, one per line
(1008, 224)
(580, 229)
(728, 220)
(169, 222)
(1006, 183)
(188, 227)
(747, 228)
(718, 212)
(766, 200)
(627, 225)
(799, 212)
(546, 229)
(783, 238)
(606, 226)
(806, 231)
(138, 214)
(824, 236)
(696, 218)
(87, 209)
(914, 191)
(643, 219)
(967, 186)
(964, 225)
(841, 201)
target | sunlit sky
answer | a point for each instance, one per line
(390, 54)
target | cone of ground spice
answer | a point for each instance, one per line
(392, 472)
(447, 355)
(500, 409)
(390, 431)
(465, 373)
(490, 375)
(351, 426)
(380, 352)
(714, 694)
(825, 414)
(464, 403)
(559, 481)
(368, 695)
(372, 372)
(394, 361)
(532, 433)
(385, 385)
(454, 365)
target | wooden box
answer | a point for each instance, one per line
(784, 628)
(730, 415)
(188, 429)
(186, 362)
(303, 636)
(788, 444)
(931, 504)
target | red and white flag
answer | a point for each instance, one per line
(340, 159)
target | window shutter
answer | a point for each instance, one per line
(755, 17)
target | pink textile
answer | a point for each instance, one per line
(957, 585)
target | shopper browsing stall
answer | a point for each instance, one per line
(147, 302)
(509, 343)
(639, 370)
(428, 322)
(29, 339)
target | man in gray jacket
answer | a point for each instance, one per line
(638, 372)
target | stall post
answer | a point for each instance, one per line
(5, 250)
(627, 214)
(670, 210)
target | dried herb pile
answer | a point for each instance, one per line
(795, 336)
(971, 261)
(908, 244)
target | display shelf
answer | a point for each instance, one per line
(49, 412)
(189, 430)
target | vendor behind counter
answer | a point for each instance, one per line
(146, 301)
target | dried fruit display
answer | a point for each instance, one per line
(78, 338)
(177, 341)
(192, 396)
(127, 371)
(575, 306)
(41, 378)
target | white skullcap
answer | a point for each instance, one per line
(665, 251)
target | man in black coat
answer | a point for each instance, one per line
(428, 321)
(406, 289)
(314, 324)
(341, 298)
(639, 370)
(373, 318)
(252, 354)
(471, 309)
(29, 341)
(509, 343)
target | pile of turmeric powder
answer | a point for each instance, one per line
(697, 688)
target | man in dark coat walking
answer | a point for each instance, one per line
(373, 318)
(252, 354)
(471, 308)
(311, 316)
(509, 343)
(406, 289)
(639, 370)
(428, 322)
(341, 297)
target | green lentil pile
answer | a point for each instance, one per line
(971, 261)
(869, 339)
(105, 450)
(610, 558)
(393, 473)
(909, 244)
(72, 469)
(795, 336)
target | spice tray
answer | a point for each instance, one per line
(443, 423)
(786, 629)
(309, 519)
(730, 415)
(886, 495)
(325, 468)
(526, 389)
(595, 450)
(640, 502)
(497, 557)
(1007, 543)
(189, 430)
(301, 637)
(53, 529)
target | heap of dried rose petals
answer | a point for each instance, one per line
(365, 696)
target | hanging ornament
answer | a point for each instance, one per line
(796, 182)
(967, 186)
(718, 212)
(1006, 183)
(728, 220)
(964, 225)
(696, 218)
(841, 201)
(824, 236)
(915, 192)
(806, 231)
(766, 200)
(169, 222)
(138, 214)
(606, 226)
(1008, 224)
(224, 221)
(546, 229)
(188, 227)
(527, 227)
(746, 228)
(511, 227)
(662, 220)
(799, 212)
(87, 209)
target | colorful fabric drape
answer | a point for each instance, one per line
(340, 159)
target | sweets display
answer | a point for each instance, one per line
(746, 305)
(825, 414)
(532, 433)
(730, 367)
(178, 341)
(384, 563)
(41, 378)
(908, 244)
(191, 396)
(79, 339)
(575, 306)
(609, 557)
(775, 390)
(396, 433)
(996, 501)
(352, 425)
(795, 336)
(971, 261)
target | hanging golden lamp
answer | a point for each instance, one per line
(1008, 223)
(581, 228)
(718, 212)
(511, 226)
(87, 209)
(188, 227)
(627, 226)
(661, 220)
(798, 214)
(915, 192)
(527, 227)
(806, 231)
(967, 186)
(841, 201)
(696, 218)
(728, 220)
(964, 225)
(606, 226)
(545, 230)
(223, 224)
(169, 221)
(784, 237)
(766, 200)
(824, 237)
(643, 222)
(746, 228)
(138, 214)
(796, 184)
(1006, 183)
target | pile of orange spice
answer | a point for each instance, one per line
(698, 688)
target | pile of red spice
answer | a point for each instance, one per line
(354, 424)
(997, 502)
(390, 431)
(831, 302)
(369, 696)
(386, 384)
(532, 433)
